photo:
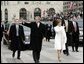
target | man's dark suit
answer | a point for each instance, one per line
(68, 34)
(36, 36)
(16, 41)
(75, 39)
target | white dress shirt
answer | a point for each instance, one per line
(17, 30)
(74, 24)
(38, 24)
(66, 24)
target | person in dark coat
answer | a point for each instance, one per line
(2, 30)
(68, 28)
(48, 32)
(36, 36)
(75, 35)
(16, 38)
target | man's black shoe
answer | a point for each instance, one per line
(18, 58)
(77, 51)
(37, 61)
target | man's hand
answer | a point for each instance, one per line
(25, 21)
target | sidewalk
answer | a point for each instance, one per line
(48, 55)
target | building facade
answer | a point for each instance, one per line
(28, 9)
(75, 6)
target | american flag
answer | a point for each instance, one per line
(72, 5)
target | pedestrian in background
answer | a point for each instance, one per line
(68, 29)
(75, 35)
(48, 32)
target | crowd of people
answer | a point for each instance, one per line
(66, 31)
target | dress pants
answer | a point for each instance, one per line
(17, 48)
(36, 55)
(18, 53)
(75, 42)
(67, 51)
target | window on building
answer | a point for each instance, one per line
(47, 2)
(37, 2)
(51, 12)
(26, 2)
(69, 2)
(64, 7)
(64, 10)
(23, 13)
(64, 3)
(6, 3)
(37, 12)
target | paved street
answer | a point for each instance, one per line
(48, 55)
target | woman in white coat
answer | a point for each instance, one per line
(60, 37)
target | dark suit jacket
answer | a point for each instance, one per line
(48, 31)
(70, 26)
(16, 45)
(69, 32)
(77, 32)
(70, 37)
(36, 35)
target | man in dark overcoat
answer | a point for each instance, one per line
(36, 36)
(16, 38)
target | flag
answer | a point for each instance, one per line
(72, 5)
